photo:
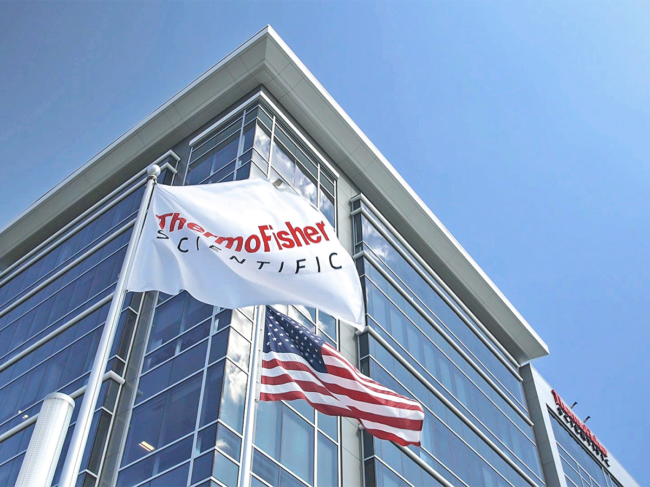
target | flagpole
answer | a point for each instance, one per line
(89, 403)
(251, 399)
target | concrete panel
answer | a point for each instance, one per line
(201, 95)
(157, 128)
(291, 76)
(276, 57)
(237, 68)
(254, 54)
(173, 116)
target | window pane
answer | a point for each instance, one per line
(174, 478)
(297, 445)
(326, 205)
(163, 419)
(266, 469)
(228, 442)
(282, 163)
(329, 425)
(212, 394)
(234, 395)
(268, 427)
(328, 470)
(167, 321)
(305, 186)
(262, 141)
(225, 470)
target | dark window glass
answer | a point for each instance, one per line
(283, 163)
(234, 396)
(163, 419)
(212, 394)
(167, 321)
(172, 371)
(228, 442)
(326, 206)
(328, 471)
(202, 467)
(176, 477)
(266, 469)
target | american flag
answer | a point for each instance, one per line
(298, 364)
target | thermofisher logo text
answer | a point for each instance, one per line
(267, 240)
(580, 428)
(284, 239)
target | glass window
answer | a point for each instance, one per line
(212, 394)
(163, 419)
(234, 396)
(328, 472)
(326, 206)
(285, 436)
(283, 163)
(171, 372)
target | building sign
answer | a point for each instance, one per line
(580, 428)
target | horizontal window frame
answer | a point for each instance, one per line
(152, 453)
(438, 476)
(56, 332)
(283, 467)
(492, 343)
(65, 269)
(153, 350)
(442, 386)
(27, 258)
(454, 345)
(51, 356)
(457, 434)
(424, 309)
(120, 227)
(75, 394)
(445, 401)
(142, 375)
(70, 319)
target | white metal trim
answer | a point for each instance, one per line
(454, 345)
(278, 112)
(66, 268)
(83, 215)
(56, 332)
(438, 279)
(446, 402)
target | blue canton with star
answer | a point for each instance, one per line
(284, 335)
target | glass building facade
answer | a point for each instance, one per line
(173, 409)
(579, 467)
(476, 428)
(53, 306)
(571, 458)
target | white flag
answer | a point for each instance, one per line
(245, 243)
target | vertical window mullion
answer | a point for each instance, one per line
(268, 172)
(200, 408)
(240, 145)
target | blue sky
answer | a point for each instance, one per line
(523, 126)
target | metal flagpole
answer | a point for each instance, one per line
(251, 399)
(89, 403)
